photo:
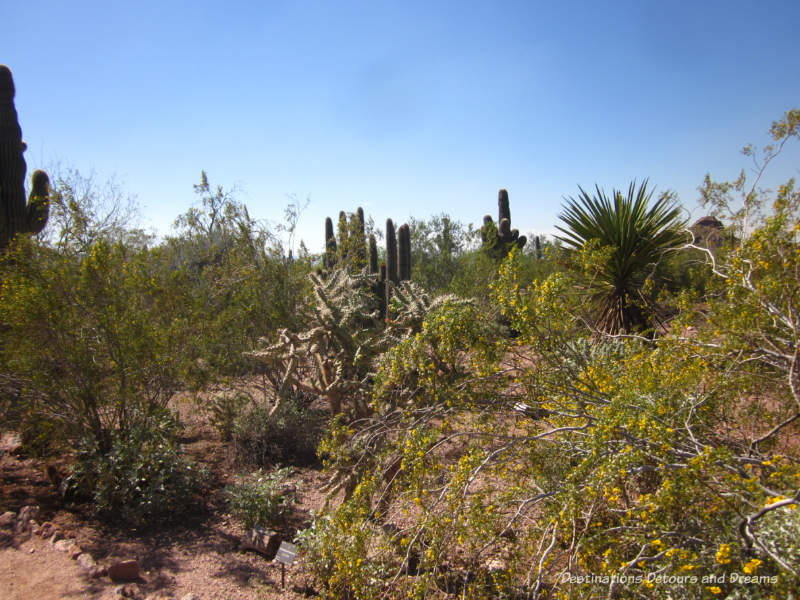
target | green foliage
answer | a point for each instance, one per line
(347, 553)
(437, 244)
(261, 498)
(143, 477)
(288, 435)
(223, 409)
(232, 284)
(508, 464)
(15, 215)
(619, 241)
(90, 337)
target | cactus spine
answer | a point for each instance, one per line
(17, 216)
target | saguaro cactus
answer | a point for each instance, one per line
(359, 239)
(330, 245)
(404, 252)
(342, 235)
(373, 255)
(391, 252)
(498, 240)
(17, 216)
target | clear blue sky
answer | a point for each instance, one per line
(405, 108)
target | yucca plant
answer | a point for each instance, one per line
(630, 234)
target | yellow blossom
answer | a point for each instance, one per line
(751, 566)
(724, 554)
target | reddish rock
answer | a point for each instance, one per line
(7, 519)
(57, 535)
(28, 513)
(86, 562)
(47, 529)
(126, 570)
(74, 551)
(127, 591)
(26, 519)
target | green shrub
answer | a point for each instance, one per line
(144, 477)
(289, 435)
(223, 410)
(262, 499)
(89, 339)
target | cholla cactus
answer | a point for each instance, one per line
(17, 216)
(410, 304)
(333, 357)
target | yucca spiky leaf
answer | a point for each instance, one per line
(634, 232)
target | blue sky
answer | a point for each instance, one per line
(404, 108)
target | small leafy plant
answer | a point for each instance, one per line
(261, 498)
(290, 434)
(223, 410)
(144, 477)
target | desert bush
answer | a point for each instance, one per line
(233, 282)
(143, 477)
(647, 463)
(90, 338)
(262, 498)
(289, 435)
(223, 409)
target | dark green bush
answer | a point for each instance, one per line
(289, 436)
(143, 478)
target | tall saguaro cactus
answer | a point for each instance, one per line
(404, 252)
(373, 255)
(17, 216)
(499, 239)
(329, 258)
(391, 252)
